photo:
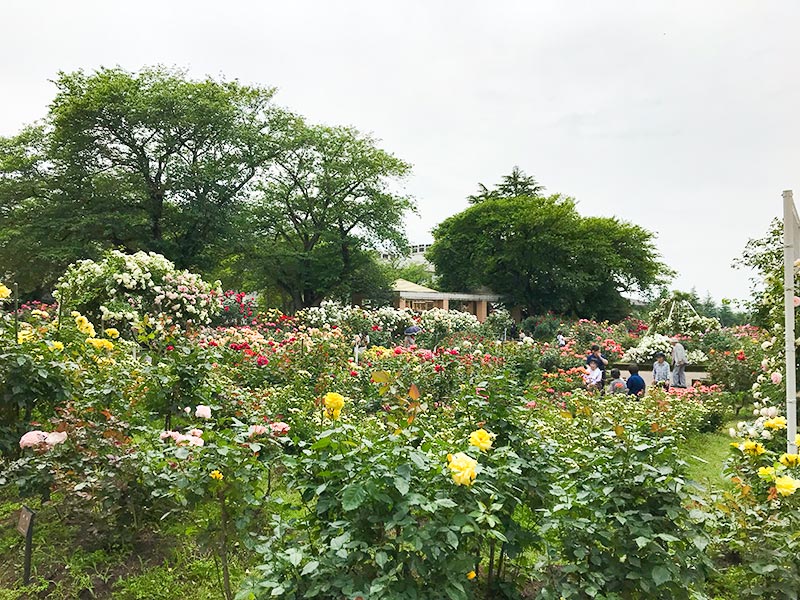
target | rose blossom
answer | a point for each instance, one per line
(203, 412)
(32, 439)
(279, 428)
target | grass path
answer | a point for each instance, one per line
(706, 453)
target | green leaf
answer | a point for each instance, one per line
(353, 496)
(402, 485)
(310, 567)
(661, 575)
(295, 556)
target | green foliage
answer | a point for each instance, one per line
(539, 253)
(327, 202)
(622, 524)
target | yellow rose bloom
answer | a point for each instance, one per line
(776, 423)
(753, 448)
(462, 468)
(790, 460)
(471, 575)
(4, 292)
(100, 344)
(481, 439)
(56, 346)
(112, 333)
(25, 335)
(333, 404)
(766, 472)
(786, 486)
(216, 475)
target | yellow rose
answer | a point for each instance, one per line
(100, 344)
(776, 423)
(786, 486)
(481, 439)
(216, 475)
(112, 333)
(462, 468)
(56, 346)
(790, 460)
(753, 448)
(333, 404)
(766, 472)
(4, 292)
(471, 575)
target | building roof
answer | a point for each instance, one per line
(412, 291)
(402, 285)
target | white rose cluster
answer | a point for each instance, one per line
(124, 288)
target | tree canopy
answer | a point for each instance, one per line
(539, 253)
(209, 173)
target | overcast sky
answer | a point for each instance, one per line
(683, 117)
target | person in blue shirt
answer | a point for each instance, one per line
(635, 382)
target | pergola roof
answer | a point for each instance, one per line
(412, 291)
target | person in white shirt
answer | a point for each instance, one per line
(679, 363)
(593, 376)
(661, 371)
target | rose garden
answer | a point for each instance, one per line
(249, 454)
(163, 436)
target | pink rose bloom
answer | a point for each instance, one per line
(203, 412)
(797, 301)
(196, 432)
(531, 404)
(776, 377)
(254, 430)
(54, 438)
(165, 435)
(32, 439)
(279, 428)
(195, 441)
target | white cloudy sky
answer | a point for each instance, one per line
(682, 116)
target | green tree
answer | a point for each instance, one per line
(539, 253)
(517, 183)
(150, 160)
(324, 206)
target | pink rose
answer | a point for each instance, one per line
(776, 377)
(32, 439)
(195, 441)
(256, 430)
(196, 432)
(279, 428)
(796, 301)
(54, 438)
(531, 404)
(203, 412)
(166, 435)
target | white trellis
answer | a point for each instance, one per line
(791, 253)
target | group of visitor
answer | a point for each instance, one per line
(634, 385)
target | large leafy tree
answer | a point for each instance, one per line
(326, 204)
(149, 160)
(541, 254)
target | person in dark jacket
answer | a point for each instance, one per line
(635, 382)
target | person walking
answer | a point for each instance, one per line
(661, 371)
(679, 362)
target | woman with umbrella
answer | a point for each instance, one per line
(411, 333)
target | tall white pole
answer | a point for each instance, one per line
(789, 254)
